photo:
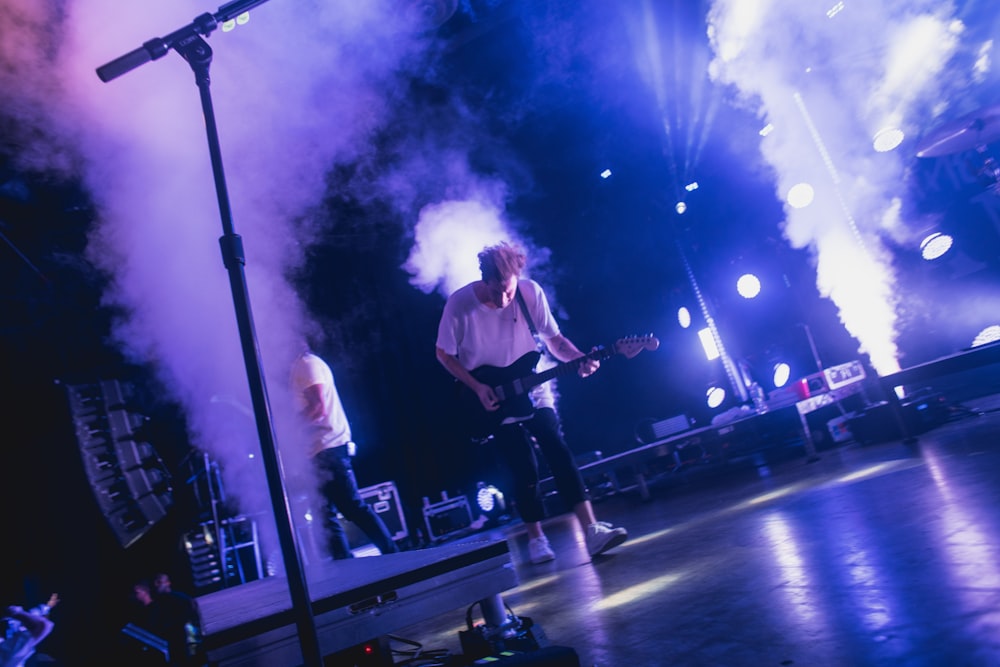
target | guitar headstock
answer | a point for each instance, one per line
(633, 345)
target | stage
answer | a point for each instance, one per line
(876, 554)
(354, 601)
(767, 465)
(814, 413)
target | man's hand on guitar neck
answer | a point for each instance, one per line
(564, 350)
(589, 365)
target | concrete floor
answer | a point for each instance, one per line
(877, 554)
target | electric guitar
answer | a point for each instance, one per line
(512, 384)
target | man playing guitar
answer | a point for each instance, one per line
(481, 327)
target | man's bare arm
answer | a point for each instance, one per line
(563, 349)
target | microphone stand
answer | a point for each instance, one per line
(188, 42)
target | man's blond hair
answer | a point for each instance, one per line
(501, 261)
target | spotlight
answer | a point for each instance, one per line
(692, 186)
(780, 374)
(766, 130)
(887, 139)
(800, 195)
(681, 207)
(990, 334)
(708, 343)
(684, 317)
(606, 173)
(715, 396)
(935, 245)
(748, 286)
(490, 500)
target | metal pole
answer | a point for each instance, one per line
(199, 55)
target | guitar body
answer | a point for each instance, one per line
(511, 384)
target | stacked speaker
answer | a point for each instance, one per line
(128, 478)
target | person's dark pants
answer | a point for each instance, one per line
(340, 489)
(516, 449)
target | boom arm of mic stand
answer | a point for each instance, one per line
(158, 47)
(155, 48)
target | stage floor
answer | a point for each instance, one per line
(876, 554)
(354, 601)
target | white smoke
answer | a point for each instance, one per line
(300, 87)
(827, 78)
(449, 235)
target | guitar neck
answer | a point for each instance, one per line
(600, 354)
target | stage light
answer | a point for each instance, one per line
(490, 499)
(715, 396)
(680, 208)
(935, 245)
(887, 139)
(766, 130)
(800, 195)
(780, 374)
(691, 187)
(708, 343)
(990, 334)
(684, 317)
(748, 286)
(836, 9)
(606, 173)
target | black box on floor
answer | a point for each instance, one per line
(449, 516)
(877, 423)
(384, 500)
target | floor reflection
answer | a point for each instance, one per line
(877, 554)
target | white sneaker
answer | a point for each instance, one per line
(539, 550)
(602, 536)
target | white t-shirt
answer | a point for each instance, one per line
(479, 335)
(333, 430)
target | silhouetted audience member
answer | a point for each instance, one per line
(142, 604)
(173, 616)
(149, 651)
(24, 631)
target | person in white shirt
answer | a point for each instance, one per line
(330, 449)
(481, 327)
